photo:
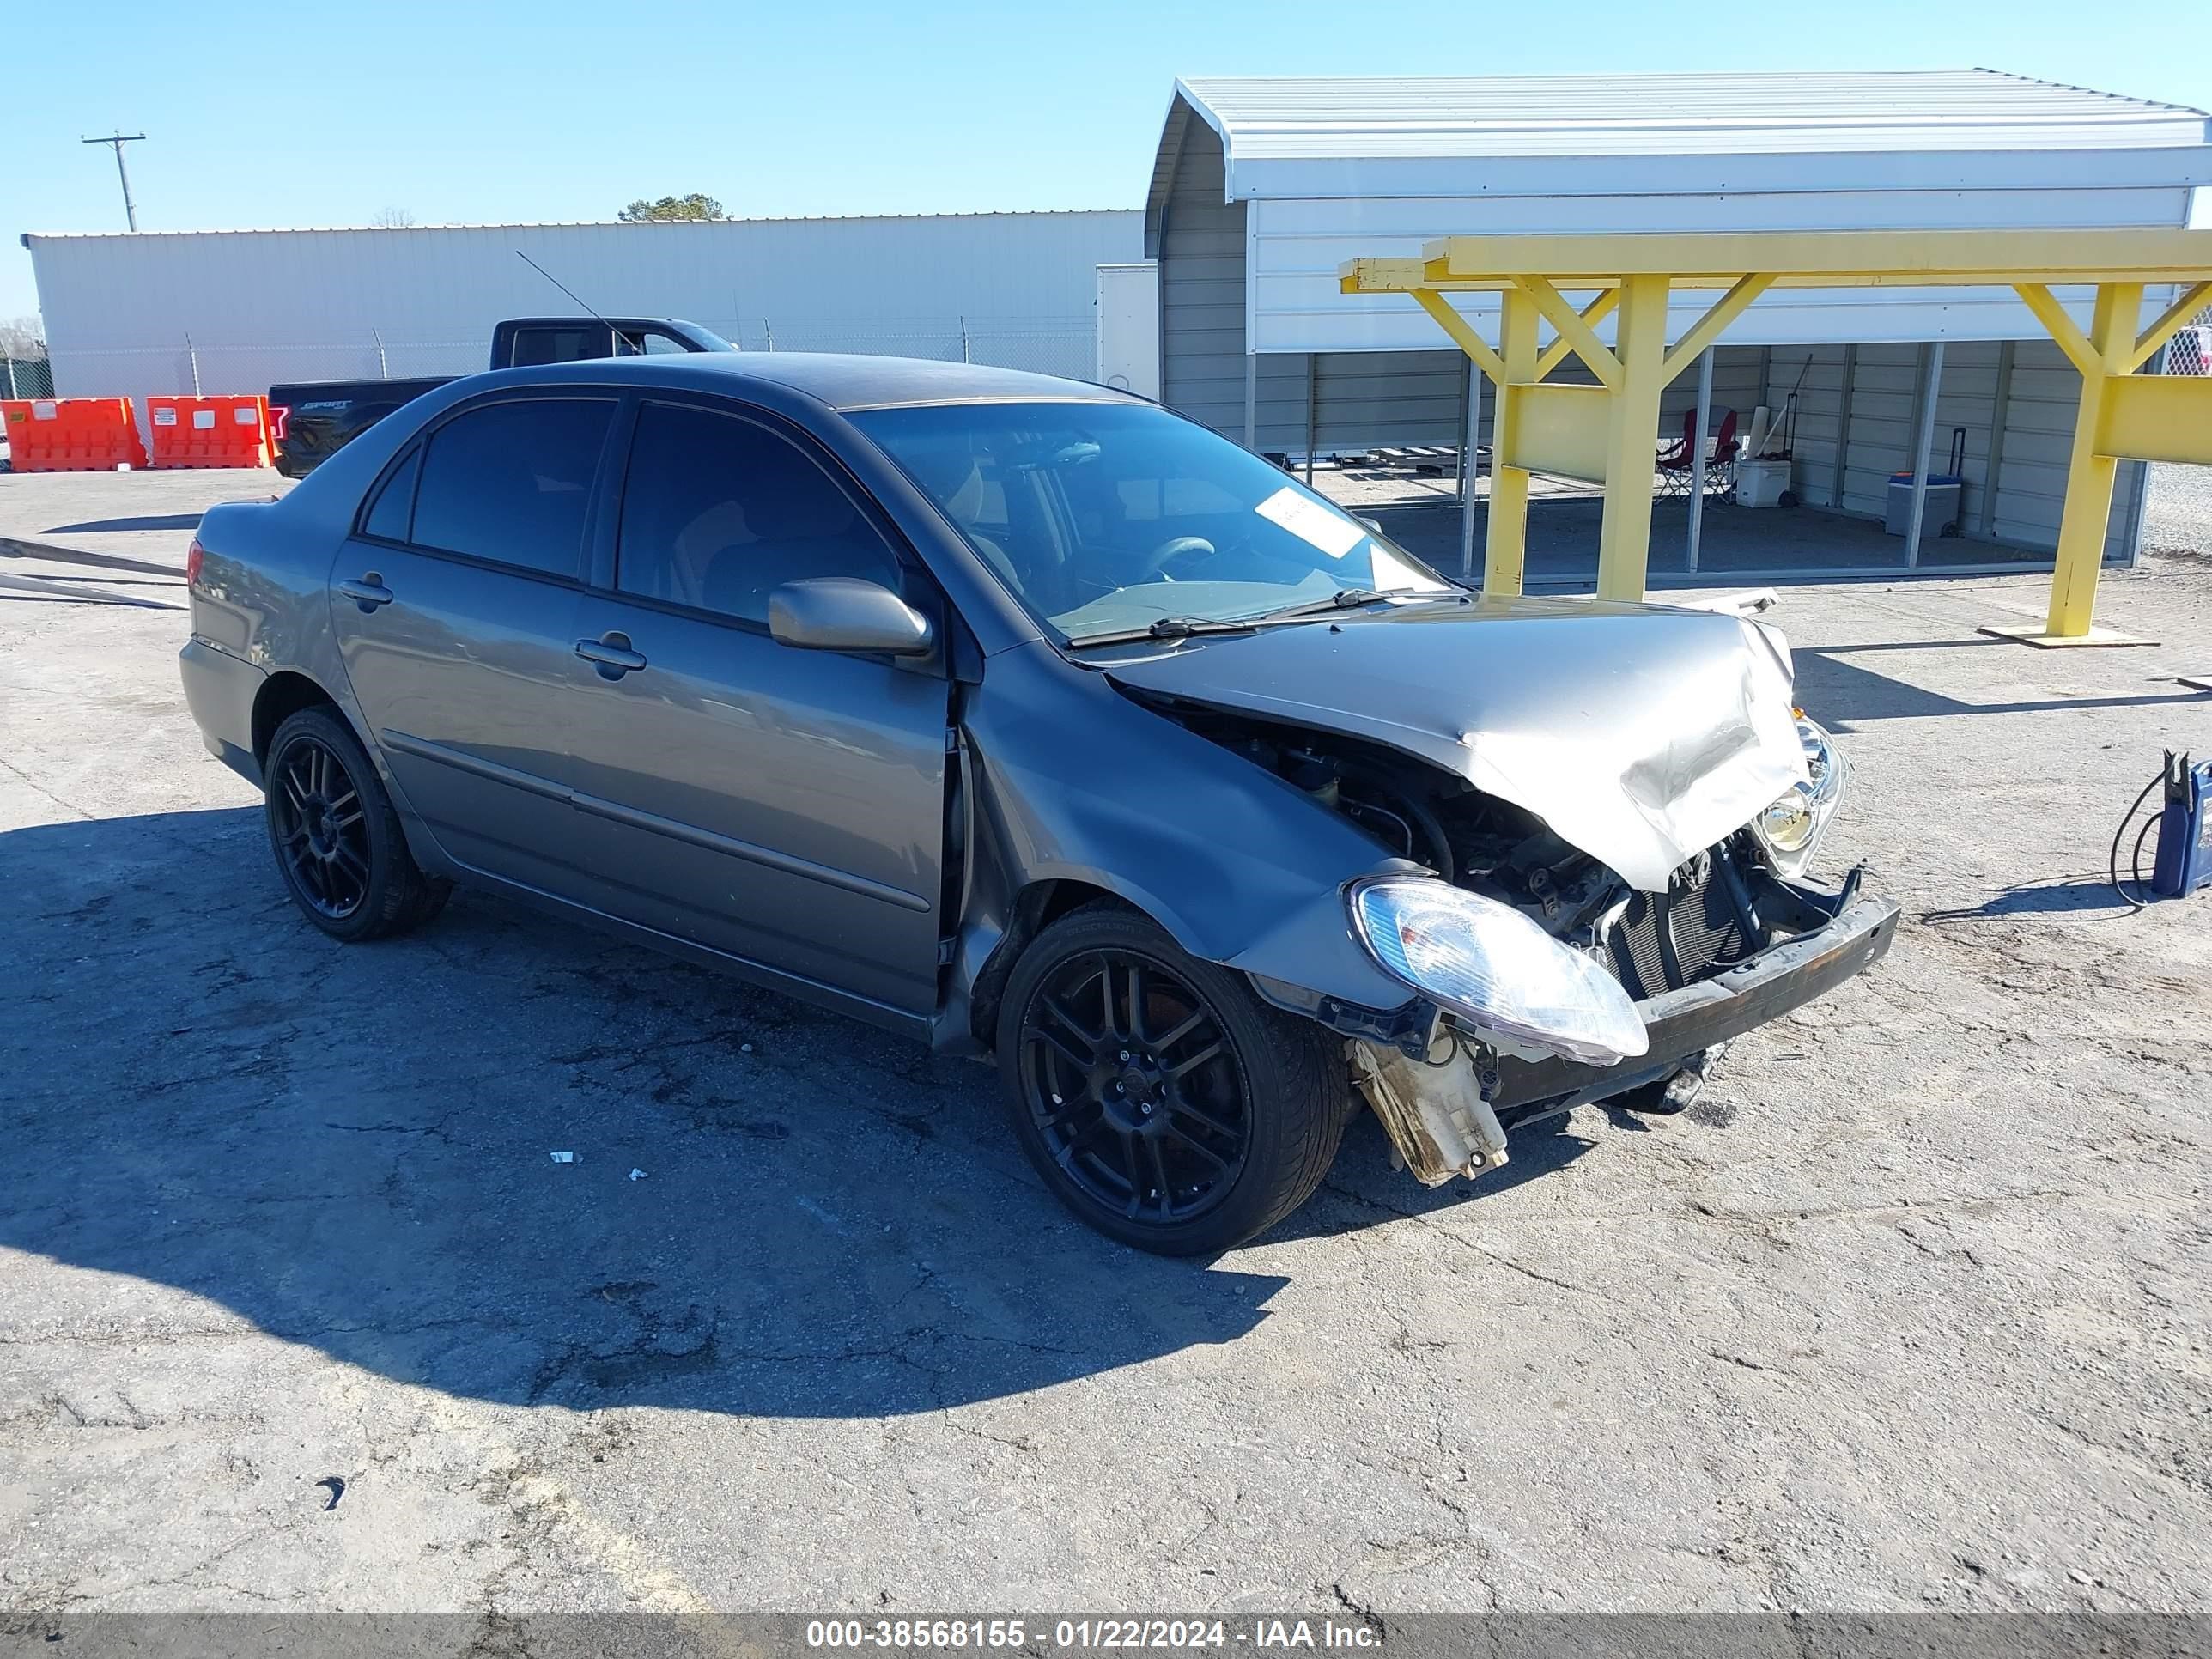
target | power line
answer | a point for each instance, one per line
(121, 138)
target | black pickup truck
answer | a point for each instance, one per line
(315, 419)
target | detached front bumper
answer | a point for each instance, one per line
(1447, 1118)
(1682, 1025)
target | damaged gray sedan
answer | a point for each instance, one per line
(1033, 721)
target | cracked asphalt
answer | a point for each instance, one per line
(297, 1311)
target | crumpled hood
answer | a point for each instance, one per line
(1640, 734)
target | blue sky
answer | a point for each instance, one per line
(462, 112)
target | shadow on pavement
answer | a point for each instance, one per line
(1364, 1187)
(152, 521)
(15, 547)
(350, 1147)
(47, 589)
(2051, 898)
(1842, 693)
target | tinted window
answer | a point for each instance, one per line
(566, 344)
(717, 512)
(395, 503)
(512, 482)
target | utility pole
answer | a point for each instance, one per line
(121, 138)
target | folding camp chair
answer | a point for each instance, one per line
(1677, 464)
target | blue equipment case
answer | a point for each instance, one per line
(2184, 829)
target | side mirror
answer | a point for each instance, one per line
(843, 613)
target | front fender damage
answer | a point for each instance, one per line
(1239, 868)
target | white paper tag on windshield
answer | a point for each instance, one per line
(1309, 521)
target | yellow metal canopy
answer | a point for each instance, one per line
(1605, 433)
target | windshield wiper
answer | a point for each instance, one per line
(1167, 628)
(1350, 599)
(1182, 627)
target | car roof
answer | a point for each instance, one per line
(835, 379)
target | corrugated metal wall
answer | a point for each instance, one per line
(1355, 399)
(1298, 245)
(1017, 290)
(1336, 168)
(1201, 265)
(2030, 381)
(1358, 399)
(1365, 399)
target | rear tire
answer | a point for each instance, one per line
(337, 839)
(1160, 1099)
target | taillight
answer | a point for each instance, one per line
(278, 415)
(193, 556)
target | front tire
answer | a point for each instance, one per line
(1160, 1099)
(337, 839)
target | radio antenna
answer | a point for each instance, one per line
(565, 289)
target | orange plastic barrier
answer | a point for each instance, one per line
(210, 431)
(71, 434)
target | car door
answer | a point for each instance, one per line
(455, 609)
(783, 806)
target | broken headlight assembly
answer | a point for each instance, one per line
(1495, 968)
(1792, 827)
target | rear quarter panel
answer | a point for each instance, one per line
(264, 593)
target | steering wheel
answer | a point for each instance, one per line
(1174, 547)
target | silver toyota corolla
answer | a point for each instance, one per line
(1029, 719)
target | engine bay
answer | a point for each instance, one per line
(1652, 942)
(1418, 812)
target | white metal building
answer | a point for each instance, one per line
(1262, 188)
(131, 314)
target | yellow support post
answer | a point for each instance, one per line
(1581, 338)
(1707, 329)
(2176, 316)
(1462, 332)
(1593, 312)
(1505, 545)
(2089, 474)
(1606, 432)
(1623, 545)
(2056, 323)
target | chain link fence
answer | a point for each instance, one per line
(2190, 351)
(1049, 345)
(26, 377)
(1052, 345)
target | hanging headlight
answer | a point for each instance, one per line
(1792, 825)
(1495, 969)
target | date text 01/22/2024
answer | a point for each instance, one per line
(1084, 1634)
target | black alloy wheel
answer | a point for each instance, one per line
(1131, 1085)
(337, 840)
(320, 824)
(1157, 1095)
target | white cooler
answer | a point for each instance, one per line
(1761, 483)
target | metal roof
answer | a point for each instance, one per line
(1329, 118)
(665, 225)
(1327, 169)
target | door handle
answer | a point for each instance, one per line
(611, 654)
(368, 592)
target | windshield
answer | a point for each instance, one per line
(1107, 517)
